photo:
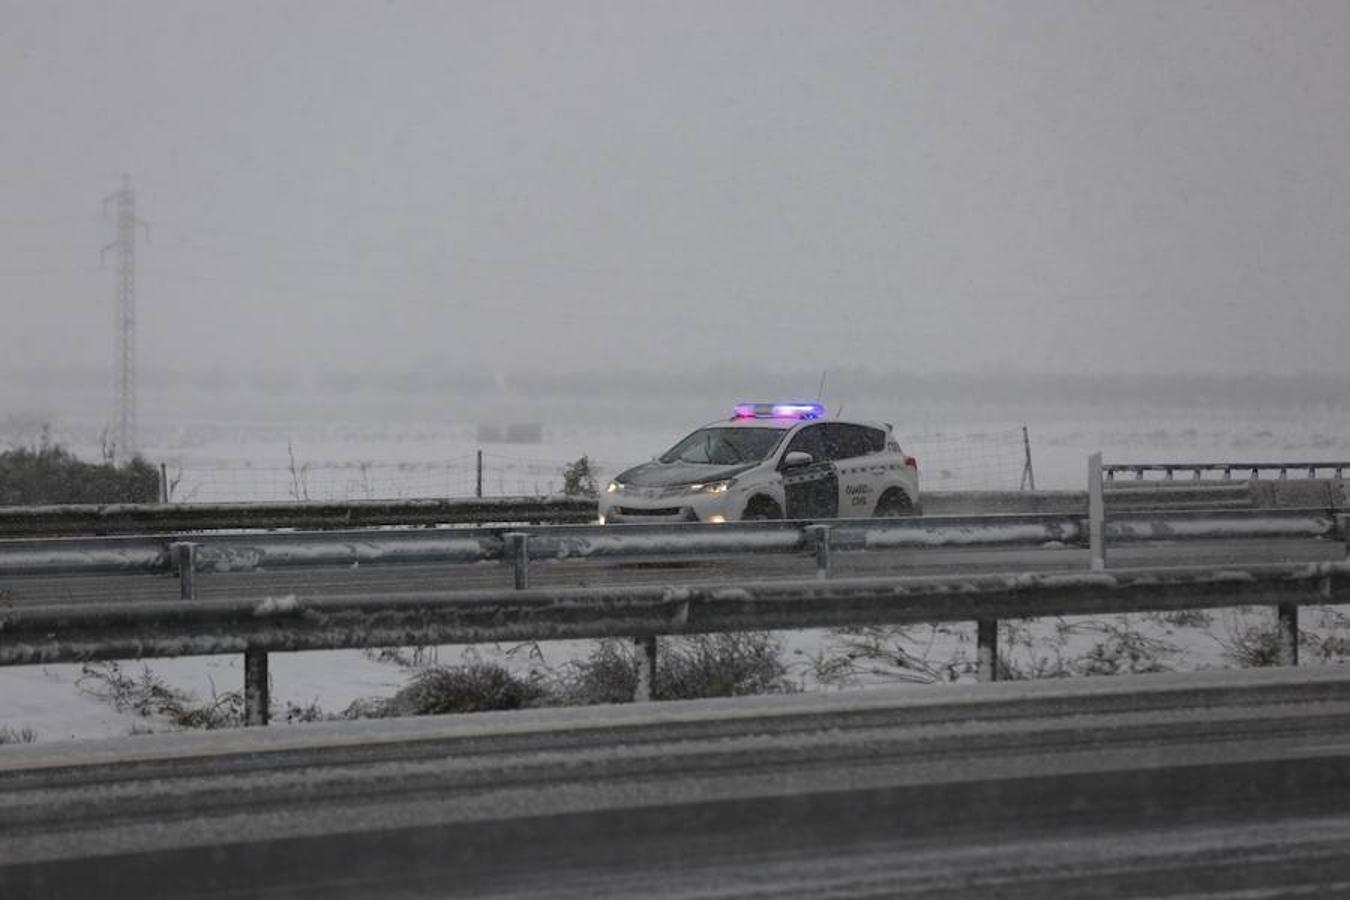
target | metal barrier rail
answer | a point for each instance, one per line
(256, 626)
(1334, 469)
(168, 518)
(149, 518)
(242, 552)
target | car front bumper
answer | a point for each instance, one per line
(633, 506)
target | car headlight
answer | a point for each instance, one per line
(712, 487)
(613, 487)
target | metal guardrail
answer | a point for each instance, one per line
(168, 518)
(219, 552)
(1253, 470)
(255, 626)
(151, 518)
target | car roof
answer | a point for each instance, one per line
(784, 423)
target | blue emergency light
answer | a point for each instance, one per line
(779, 411)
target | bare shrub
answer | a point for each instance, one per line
(608, 675)
(722, 665)
(579, 478)
(412, 657)
(474, 687)
(1029, 649)
(1184, 618)
(17, 735)
(1123, 652)
(1253, 645)
(148, 695)
(705, 665)
(902, 653)
(309, 712)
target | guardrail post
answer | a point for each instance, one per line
(986, 649)
(1288, 634)
(518, 543)
(1096, 513)
(185, 556)
(257, 696)
(646, 673)
(163, 483)
(819, 537)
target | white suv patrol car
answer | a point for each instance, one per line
(770, 461)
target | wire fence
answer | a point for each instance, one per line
(996, 460)
(982, 461)
(488, 475)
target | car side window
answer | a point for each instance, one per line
(845, 441)
(836, 440)
(809, 440)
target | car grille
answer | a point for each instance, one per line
(655, 511)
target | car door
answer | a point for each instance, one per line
(810, 491)
(854, 464)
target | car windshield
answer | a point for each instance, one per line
(724, 446)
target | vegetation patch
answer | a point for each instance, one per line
(49, 474)
(148, 695)
(687, 668)
(474, 687)
(579, 479)
(10, 735)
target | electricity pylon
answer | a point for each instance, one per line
(125, 247)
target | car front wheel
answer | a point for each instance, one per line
(761, 508)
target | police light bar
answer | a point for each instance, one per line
(779, 411)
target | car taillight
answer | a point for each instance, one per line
(911, 463)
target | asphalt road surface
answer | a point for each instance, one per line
(349, 580)
(1231, 784)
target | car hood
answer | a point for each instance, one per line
(659, 474)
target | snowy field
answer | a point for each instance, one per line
(243, 460)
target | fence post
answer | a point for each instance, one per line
(519, 545)
(1028, 474)
(819, 537)
(1287, 614)
(646, 674)
(986, 649)
(185, 556)
(478, 481)
(1096, 513)
(163, 483)
(257, 696)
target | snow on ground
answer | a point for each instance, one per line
(46, 700)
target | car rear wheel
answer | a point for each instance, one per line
(760, 508)
(894, 503)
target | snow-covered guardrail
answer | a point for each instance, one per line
(221, 552)
(148, 518)
(169, 518)
(256, 626)
(1197, 471)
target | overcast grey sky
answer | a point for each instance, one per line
(1043, 186)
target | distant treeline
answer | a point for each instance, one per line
(734, 382)
(50, 474)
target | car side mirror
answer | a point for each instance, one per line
(797, 458)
